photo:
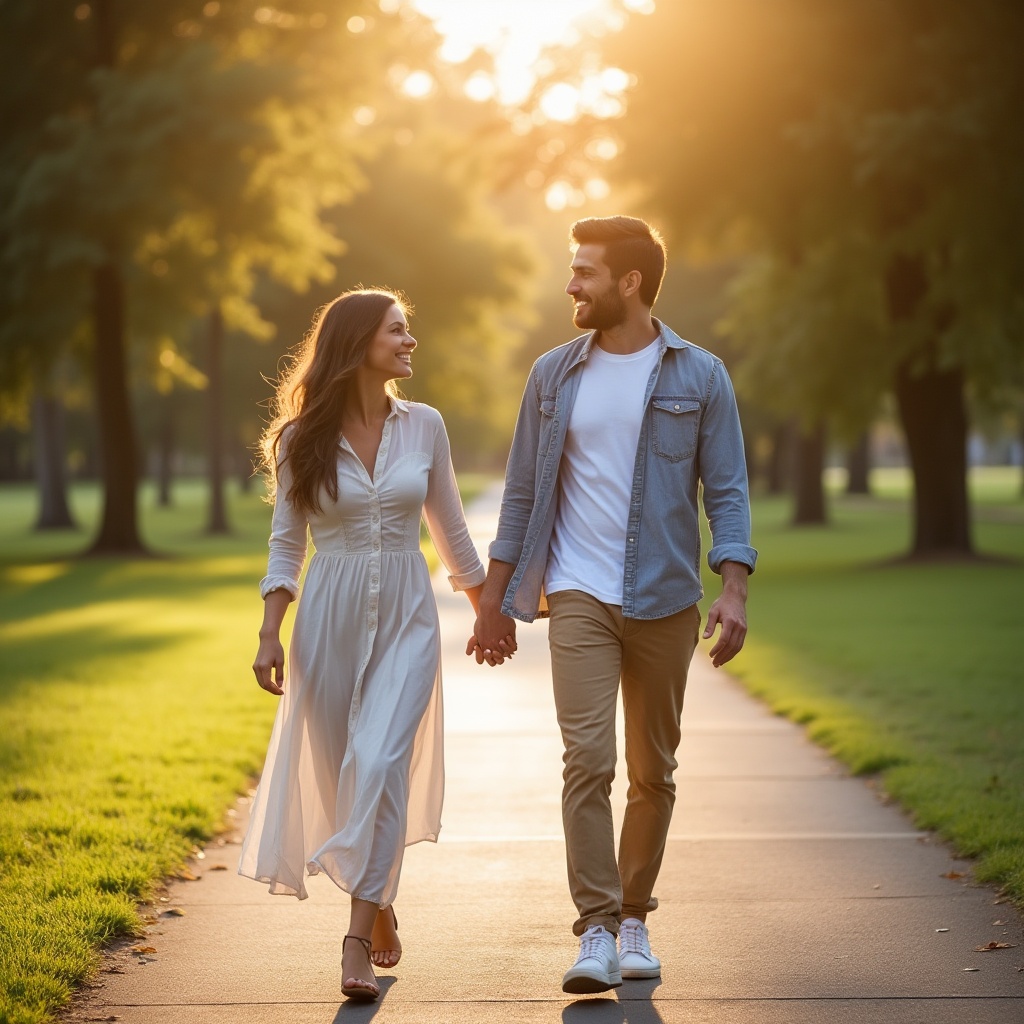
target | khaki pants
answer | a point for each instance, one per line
(593, 648)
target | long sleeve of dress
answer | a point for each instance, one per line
(288, 539)
(446, 520)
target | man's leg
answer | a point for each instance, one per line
(655, 661)
(585, 640)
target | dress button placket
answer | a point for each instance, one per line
(372, 604)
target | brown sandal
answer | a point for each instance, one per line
(361, 992)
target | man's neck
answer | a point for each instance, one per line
(636, 332)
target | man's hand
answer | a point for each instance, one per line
(729, 611)
(482, 644)
(494, 634)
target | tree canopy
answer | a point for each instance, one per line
(862, 162)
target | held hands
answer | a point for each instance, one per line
(493, 639)
(269, 665)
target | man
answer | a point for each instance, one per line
(600, 514)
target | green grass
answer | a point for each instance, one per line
(912, 672)
(129, 721)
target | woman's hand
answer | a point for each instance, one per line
(269, 665)
(506, 648)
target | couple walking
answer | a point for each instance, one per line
(598, 528)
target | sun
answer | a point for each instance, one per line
(516, 33)
(519, 36)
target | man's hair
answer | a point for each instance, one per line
(629, 244)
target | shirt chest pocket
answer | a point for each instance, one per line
(674, 427)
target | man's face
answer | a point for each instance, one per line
(597, 304)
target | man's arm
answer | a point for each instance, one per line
(492, 629)
(729, 611)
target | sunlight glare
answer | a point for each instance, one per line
(418, 84)
(515, 33)
(561, 102)
(560, 194)
(479, 87)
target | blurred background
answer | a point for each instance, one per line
(184, 183)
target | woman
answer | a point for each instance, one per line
(354, 771)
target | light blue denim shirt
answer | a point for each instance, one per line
(690, 434)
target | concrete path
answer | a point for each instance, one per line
(790, 893)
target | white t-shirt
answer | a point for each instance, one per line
(588, 545)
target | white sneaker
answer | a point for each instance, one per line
(597, 967)
(635, 957)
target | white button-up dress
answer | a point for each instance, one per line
(355, 767)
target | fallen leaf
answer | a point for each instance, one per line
(174, 912)
(953, 874)
(217, 867)
(187, 875)
(989, 946)
(165, 899)
(972, 969)
(141, 950)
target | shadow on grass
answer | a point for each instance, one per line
(29, 662)
(32, 589)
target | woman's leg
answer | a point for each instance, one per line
(356, 969)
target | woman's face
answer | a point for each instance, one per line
(390, 350)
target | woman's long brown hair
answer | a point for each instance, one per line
(311, 392)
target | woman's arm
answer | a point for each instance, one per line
(269, 664)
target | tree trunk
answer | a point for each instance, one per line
(858, 465)
(166, 439)
(808, 483)
(246, 474)
(218, 520)
(1022, 454)
(119, 534)
(51, 475)
(933, 412)
(779, 462)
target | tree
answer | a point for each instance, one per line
(147, 135)
(862, 159)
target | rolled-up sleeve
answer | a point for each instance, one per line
(446, 520)
(288, 538)
(723, 472)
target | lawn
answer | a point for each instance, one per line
(129, 721)
(911, 673)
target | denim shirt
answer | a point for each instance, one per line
(690, 434)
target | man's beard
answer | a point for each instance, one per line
(603, 312)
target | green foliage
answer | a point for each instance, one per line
(911, 672)
(424, 225)
(823, 143)
(187, 150)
